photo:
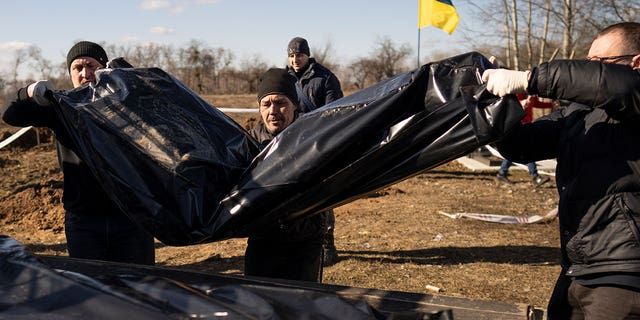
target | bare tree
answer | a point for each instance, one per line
(492, 13)
(389, 59)
(567, 26)
(360, 74)
(145, 55)
(200, 66)
(567, 38)
(167, 57)
(250, 71)
(507, 29)
(628, 12)
(3, 83)
(323, 54)
(19, 57)
(514, 39)
(545, 31)
(218, 60)
(529, 40)
(115, 51)
(38, 62)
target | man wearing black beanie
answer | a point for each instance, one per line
(293, 251)
(94, 226)
(83, 59)
(317, 85)
(276, 112)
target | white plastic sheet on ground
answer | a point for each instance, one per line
(503, 218)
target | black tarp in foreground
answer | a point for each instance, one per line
(189, 174)
(29, 289)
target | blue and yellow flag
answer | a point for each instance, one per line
(438, 13)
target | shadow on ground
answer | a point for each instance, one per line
(531, 255)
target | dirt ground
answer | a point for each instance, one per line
(395, 239)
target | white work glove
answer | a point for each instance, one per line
(36, 92)
(502, 82)
(494, 61)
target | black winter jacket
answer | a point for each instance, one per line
(319, 84)
(596, 141)
(261, 134)
(82, 194)
(307, 229)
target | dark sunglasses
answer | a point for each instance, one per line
(611, 58)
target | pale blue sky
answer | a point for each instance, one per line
(245, 27)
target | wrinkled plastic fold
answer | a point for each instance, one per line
(189, 174)
(33, 290)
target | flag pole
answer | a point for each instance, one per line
(418, 47)
(419, 13)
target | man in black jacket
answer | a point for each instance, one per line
(95, 227)
(316, 86)
(595, 141)
(293, 250)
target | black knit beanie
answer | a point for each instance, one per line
(277, 80)
(86, 49)
(298, 45)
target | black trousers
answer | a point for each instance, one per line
(573, 301)
(108, 238)
(299, 260)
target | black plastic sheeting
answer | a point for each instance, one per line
(30, 289)
(189, 174)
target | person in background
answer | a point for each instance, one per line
(316, 86)
(595, 140)
(95, 227)
(527, 103)
(293, 250)
(536, 179)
